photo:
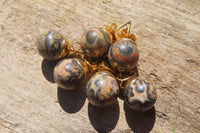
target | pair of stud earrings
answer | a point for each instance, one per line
(107, 66)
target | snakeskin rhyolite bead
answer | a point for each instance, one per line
(140, 95)
(102, 89)
(95, 43)
(70, 73)
(52, 45)
(123, 55)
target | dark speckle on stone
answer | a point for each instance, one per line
(91, 93)
(125, 49)
(91, 37)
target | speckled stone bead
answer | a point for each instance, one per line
(70, 73)
(123, 55)
(95, 43)
(102, 89)
(52, 45)
(140, 95)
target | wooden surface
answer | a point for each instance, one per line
(168, 38)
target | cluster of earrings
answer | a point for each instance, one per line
(106, 66)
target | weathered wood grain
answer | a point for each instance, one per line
(168, 38)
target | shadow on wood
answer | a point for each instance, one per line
(104, 119)
(71, 101)
(140, 122)
(47, 69)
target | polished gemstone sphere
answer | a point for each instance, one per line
(52, 45)
(102, 89)
(123, 55)
(95, 43)
(69, 74)
(140, 95)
